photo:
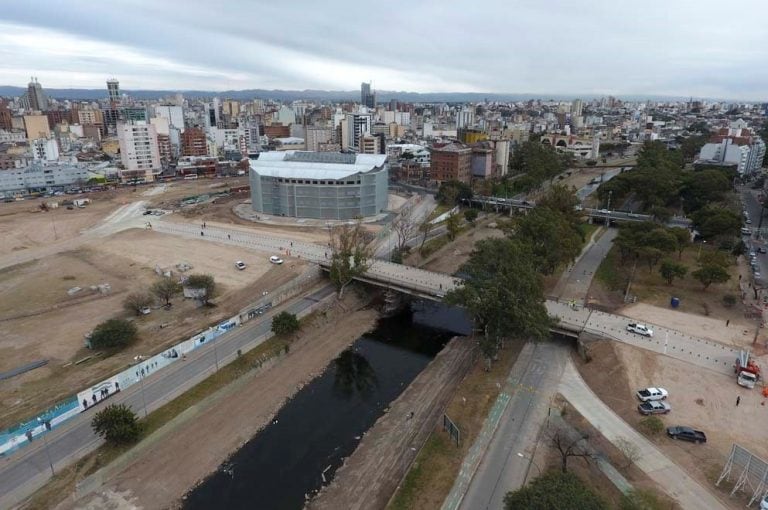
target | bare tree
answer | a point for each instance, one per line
(350, 254)
(404, 227)
(137, 301)
(629, 450)
(166, 289)
(568, 444)
(425, 228)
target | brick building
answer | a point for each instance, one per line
(451, 162)
(193, 142)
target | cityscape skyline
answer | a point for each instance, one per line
(596, 49)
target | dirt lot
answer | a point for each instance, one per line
(126, 261)
(450, 257)
(699, 398)
(157, 478)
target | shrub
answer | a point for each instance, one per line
(117, 424)
(113, 333)
(729, 300)
(285, 323)
(652, 425)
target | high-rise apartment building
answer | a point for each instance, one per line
(139, 151)
(194, 143)
(6, 118)
(35, 98)
(174, 114)
(113, 89)
(576, 108)
(318, 135)
(353, 127)
(370, 144)
(367, 97)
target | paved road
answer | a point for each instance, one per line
(26, 470)
(420, 207)
(688, 492)
(531, 385)
(575, 282)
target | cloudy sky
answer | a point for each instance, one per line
(702, 48)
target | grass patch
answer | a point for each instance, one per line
(440, 209)
(433, 245)
(63, 483)
(609, 272)
(437, 447)
(587, 229)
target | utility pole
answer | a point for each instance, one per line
(610, 195)
(48, 454)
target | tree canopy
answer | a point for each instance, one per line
(113, 333)
(349, 254)
(117, 424)
(453, 192)
(503, 292)
(553, 240)
(285, 323)
(166, 289)
(554, 490)
(715, 221)
(204, 282)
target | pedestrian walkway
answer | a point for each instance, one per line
(689, 493)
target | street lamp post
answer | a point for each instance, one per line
(143, 399)
(530, 461)
(698, 255)
(48, 454)
(216, 353)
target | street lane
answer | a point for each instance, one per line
(25, 470)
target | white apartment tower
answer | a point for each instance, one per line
(139, 151)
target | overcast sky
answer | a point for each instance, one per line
(702, 48)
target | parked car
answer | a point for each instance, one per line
(758, 275)
(240, 265)
(640, 329)
(762, 250)
(687, 434)
(275, 259)
(654, 407)
(145, 310)
(764, 503)
(652, 394)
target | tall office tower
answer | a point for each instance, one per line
(113, 88)
(35, 97)
(367, 98)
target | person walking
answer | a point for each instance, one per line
(727, 322)
(738, 400)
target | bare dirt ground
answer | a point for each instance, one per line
(450, 257)
(36, 303)
(161, 475)
(699, 398)
(370, 476)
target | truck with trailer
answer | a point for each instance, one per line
(746, 369)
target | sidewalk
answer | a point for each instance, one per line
(689, 493)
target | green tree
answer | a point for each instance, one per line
(137, 301)
(708, 274)
(166, 289)
(349, 255)
(554, 490)
(285, 323)
(204, 282)
(670, 270)
(562, 199)
(453, 224)
(471, 215)
(113, 333)
(451, 193)
(712, 221)
(704, 187)
(117, 424)
(503, 293)
(552, 238)
(539, 161)
(683, 237)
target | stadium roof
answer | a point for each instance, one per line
(315, 165)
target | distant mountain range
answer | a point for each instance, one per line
(323, 95)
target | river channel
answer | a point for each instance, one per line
(307, 441)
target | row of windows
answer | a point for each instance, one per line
(311, 181)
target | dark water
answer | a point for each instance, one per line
(323, 423)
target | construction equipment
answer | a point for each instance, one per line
(746, 369)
